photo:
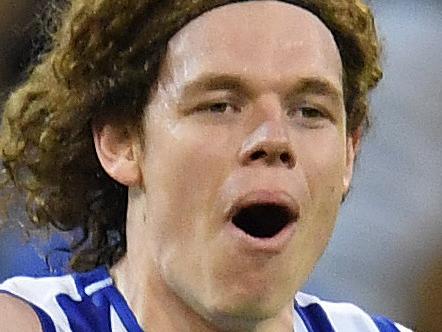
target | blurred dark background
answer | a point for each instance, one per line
(15, 31)
(386, 255)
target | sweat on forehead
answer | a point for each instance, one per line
(252, 12)
(274, 22)
(255, 39)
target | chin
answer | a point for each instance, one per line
(240, 310)
(251, 297)
(240, 316)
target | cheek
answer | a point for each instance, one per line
(197, 158)
(322, 159)
(186, 168)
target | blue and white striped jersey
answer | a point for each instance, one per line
(89, 301)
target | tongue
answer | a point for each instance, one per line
(262, 221)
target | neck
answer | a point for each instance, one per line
(157, 308)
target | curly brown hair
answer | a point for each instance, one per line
(104, 60)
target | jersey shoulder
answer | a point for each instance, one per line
(41, 295)
(74, 303)
(342, 316)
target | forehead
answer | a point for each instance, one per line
(256, 38)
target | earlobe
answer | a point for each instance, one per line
(116, 151)
(352, 150)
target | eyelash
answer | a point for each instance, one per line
(318, 113)
(209, 107)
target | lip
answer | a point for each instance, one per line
(275, 244)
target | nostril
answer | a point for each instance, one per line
(285, 158)
(258, 155)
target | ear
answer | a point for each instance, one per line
(353, 144)
(117, 149)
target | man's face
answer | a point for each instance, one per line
(246, 158)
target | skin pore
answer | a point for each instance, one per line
(249, 102)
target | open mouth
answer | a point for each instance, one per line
(263, 220)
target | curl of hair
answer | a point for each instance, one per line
(104, 61)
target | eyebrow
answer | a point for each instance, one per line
(213, 82)
(318, 86)
(307, 85)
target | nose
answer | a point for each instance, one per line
(268, 145)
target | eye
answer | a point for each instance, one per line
(221, 107)
(310, 112)
(306, 112)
